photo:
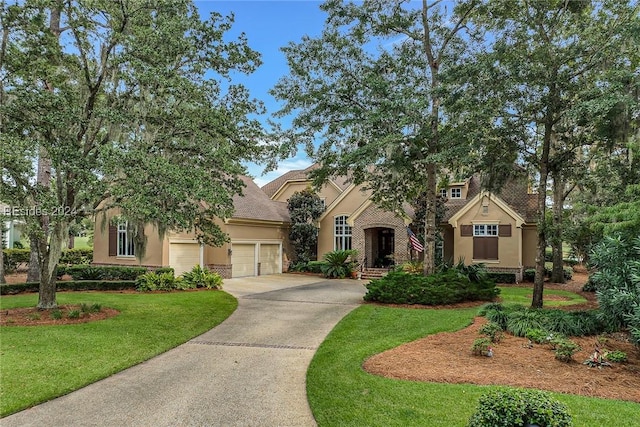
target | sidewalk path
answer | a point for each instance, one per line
(248, 371)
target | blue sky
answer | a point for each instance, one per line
(270, 25)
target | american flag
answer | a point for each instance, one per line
(415, 243)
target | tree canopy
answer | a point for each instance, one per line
(133, 105)
(368, 91)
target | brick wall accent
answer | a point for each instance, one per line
(374, 217)
(224, 270)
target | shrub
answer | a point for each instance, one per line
(502, 277)
(519, 407)
(339, 263)
(315, 266)
(617, 281)
(201, 278)
(73, 314)
(538, 336)
(71, 285)
(565, 349)
(529, 275)
(499, 317)
(590, 286)
(90, 308)
(414, 267)
(448, 287)
(481, 347)
(56, 314)
(76, 256)
(104, 272)
(13, 257)
(298, 266)
(153, 281)
(519, 322)
(616, 356)
(493, 331)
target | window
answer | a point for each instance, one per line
(443, 193)
(456, 193)
(125, 239)
(342, 233)
(485, 229)
(485, 241)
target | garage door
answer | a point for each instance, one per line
(269, 259)
(183, 256)
(243, 260)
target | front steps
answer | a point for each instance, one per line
(374, 273)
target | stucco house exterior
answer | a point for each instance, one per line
(479, 227)
(495, 229)
(258, 233)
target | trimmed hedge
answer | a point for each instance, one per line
(70, 285)
(14, 257)
(530, 273)
(502, 277)
(76, 256)
(106, 272)
(448, 287)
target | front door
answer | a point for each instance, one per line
(386, 247)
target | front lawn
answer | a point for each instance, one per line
(553, 297)
(43, 362)
(341, 393)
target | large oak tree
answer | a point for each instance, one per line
(133, 105)
(366, 98)
(541, 78)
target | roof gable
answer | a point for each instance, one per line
(255, 204)
(493, 198)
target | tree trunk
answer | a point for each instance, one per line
(47, 278)
(538, 283)
(430, 222)
(50, 257)
(33, 271)
(2, 279)
(557, 273)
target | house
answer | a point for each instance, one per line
(258, 233)
(495, 229)
(479, 227)
(12, 227)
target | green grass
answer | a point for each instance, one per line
(518, 295)
(341, 393)
(78, 243)
(43, 362)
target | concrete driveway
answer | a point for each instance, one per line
(248, 371)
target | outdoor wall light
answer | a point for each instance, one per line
(230, 251)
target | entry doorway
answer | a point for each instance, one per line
(381, 247)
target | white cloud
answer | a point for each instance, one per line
(296, 163)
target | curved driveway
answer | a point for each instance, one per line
(248, 371)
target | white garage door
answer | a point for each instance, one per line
(183, 256)
(243, 260)
(269, 259)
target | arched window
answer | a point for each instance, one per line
(342, 233)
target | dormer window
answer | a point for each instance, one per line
(456, 193)
(443, 193)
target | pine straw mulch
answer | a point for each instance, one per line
(446, 358)
(31, 316)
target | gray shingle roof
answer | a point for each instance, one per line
(255, 204)
(272, 187)
(514, 193)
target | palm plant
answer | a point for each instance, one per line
(339, 263)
